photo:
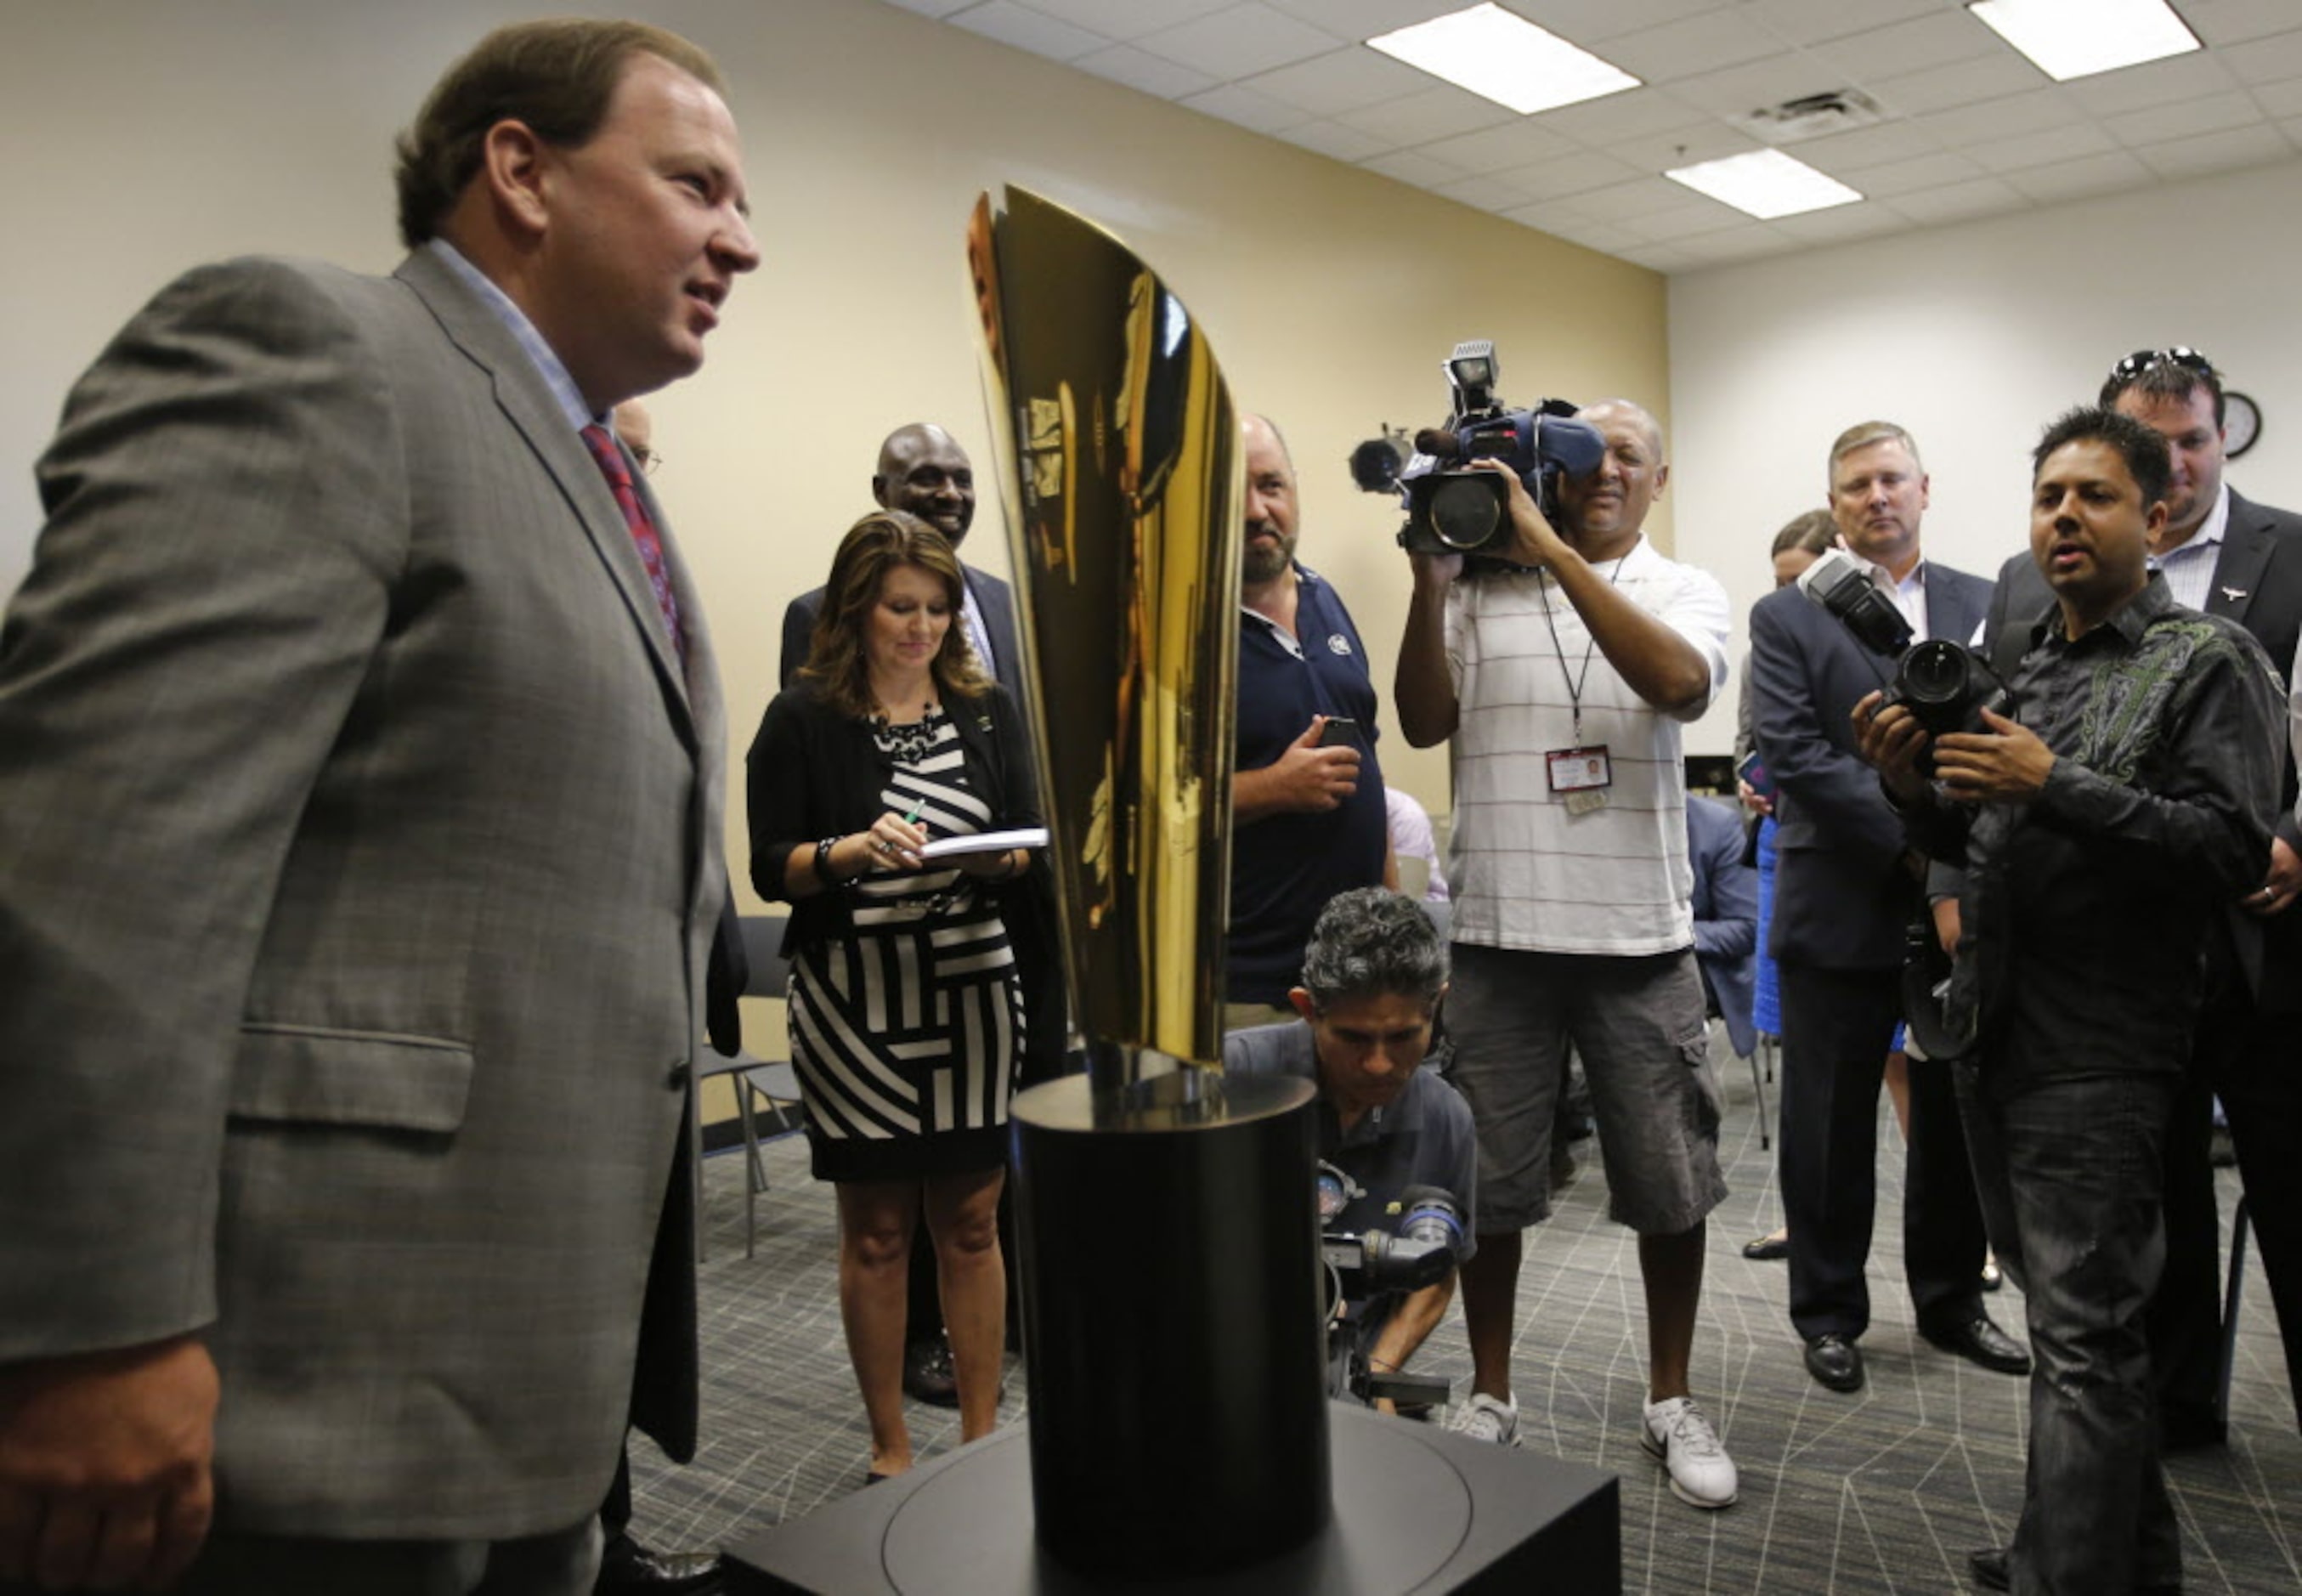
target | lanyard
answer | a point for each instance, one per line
(1574, 682)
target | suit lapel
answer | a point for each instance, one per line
(528, 404)
(2238, 568)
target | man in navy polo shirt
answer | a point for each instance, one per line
(1307, 814)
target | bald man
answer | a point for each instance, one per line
(1561, 678)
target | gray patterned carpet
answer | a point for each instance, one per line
(1885, 1490)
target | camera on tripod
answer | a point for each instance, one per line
(1421, 1250)
(1944, 685)
(1454, 510)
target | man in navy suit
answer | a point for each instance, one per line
(2227, 556)
(1846, 888)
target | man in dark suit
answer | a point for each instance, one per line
(1845, 889)
(2225, 555)
(922, 469)
(361, 765)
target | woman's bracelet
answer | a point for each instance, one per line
(823, 871)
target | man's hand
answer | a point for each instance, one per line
(104, 1479)
(1434, 572)
(1890, 743)
(1754, 800)
(2285, 881)
(2007, 764)
(1534, 541)
(1305, 779)
(1946, 924)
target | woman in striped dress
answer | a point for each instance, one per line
(906, 1018)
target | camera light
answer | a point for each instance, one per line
(1505, 58)
(1765, 183)
(2077, 38)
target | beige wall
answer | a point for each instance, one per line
(145, 135)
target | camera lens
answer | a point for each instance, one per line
(1466, 510)
(1935, 674)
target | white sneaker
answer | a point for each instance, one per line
(1483, 1418)
(1702, 1474)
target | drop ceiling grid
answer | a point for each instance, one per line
(1969, 128)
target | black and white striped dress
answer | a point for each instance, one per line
(907, 1031)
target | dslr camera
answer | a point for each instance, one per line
(1944, 685)
(1454, 510)
(1420, 1251)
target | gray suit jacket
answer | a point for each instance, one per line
(360, 831)
(1842, 898)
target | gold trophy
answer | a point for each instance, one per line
(1171, 1289)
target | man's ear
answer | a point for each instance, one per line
(1301, 999)
(512, 165)
(880, 492)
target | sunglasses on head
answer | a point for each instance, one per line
(2147, 360)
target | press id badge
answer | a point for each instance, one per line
(1583, 775)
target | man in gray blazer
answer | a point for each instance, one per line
(361, 763)
(1844, 890)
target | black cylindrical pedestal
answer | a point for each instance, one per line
(1172, 1291)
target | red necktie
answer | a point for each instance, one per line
(644, 536)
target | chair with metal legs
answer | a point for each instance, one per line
(754, 1078)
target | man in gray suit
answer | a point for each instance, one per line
(361, 764)
(1845, 889)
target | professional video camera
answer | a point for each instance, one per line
(1420, 1251)
(1453, 509)
(1944, 685)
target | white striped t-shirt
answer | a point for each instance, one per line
(1524, 872)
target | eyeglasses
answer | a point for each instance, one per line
(649, 460)
(2147, 360)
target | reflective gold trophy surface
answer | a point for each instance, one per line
(1171, 1289)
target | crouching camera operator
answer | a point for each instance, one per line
(1396, 1140)
(2104, 825)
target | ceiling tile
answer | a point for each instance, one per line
(1684, 147)
(1499, 148)
(1985, 197)
(1413, 166)
(2153, 83)
(1865, 147)
(1840, 223)
(1360, 19)
(1333, 138)
(1756, 85)
(2216, 152)
(1598, 236)
(1747, 242)
(2074, 180)
(1583, 21)
(1240, 40)
(2183, 119)
(1434, 113)
(1946, 34)
(2279, 100)
(1661, 257)
(933, 8)
(2234, 21)
(2008, 118)
(1341, 81)
(1697, 215)
(1685, 49)
(1487, 192)
(2049, 149)
(1153, 74)
(1245, 107)
(1908, 177)
(2266, 61)
(1960, 83)
(1640, 197)
(1573, 174)
(1624, 115)
(1811, 21)
(1028, 30)
(1126, 19)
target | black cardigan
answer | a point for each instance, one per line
(814, 772)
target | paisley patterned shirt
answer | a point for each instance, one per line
(2088, 912)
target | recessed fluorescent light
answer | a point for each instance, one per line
(1766, 183)
(2077, 38)
(1504, 57)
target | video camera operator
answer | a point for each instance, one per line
(2133, 785)
(1373, 972)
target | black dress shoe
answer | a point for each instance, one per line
(1979, 1341)
(928, 1374)
(627, 1568)
(1989, 1569)
(1836, 1361)
(1766, 1249)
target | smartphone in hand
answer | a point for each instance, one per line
(1341, 732)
